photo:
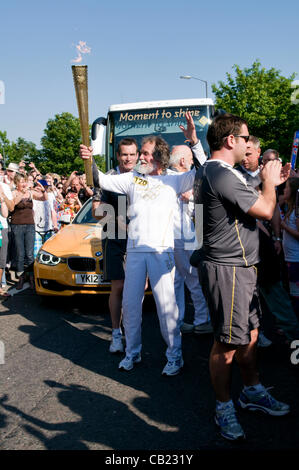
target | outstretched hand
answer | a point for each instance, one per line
(190, 131)
(275, 172)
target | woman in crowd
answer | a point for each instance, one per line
(290, 226)
(59, 196)
(22, 225)
(30, 181)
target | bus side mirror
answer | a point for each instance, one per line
(97, 135)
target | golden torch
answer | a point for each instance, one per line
(81, 88)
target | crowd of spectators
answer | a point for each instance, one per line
(33, 207)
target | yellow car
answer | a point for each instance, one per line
(71, 261)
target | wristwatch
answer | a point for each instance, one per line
(277, 239)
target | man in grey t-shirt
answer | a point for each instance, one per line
(227, 271)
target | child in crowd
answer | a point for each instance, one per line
(69, 208)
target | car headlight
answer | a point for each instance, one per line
(44, 257)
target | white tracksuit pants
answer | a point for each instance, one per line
(160, 269)
(185, 273)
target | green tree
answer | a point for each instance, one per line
(4, 146)
(60, 145)
(263, 98)
(17, 151)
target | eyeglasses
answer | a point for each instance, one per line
(245, 137)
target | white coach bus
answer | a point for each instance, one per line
(149, 118)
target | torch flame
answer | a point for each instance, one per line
(82, 48)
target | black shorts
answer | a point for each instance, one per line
(114, 254)
(232, 297)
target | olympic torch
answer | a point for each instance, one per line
(81, 88)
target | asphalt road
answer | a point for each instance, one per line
(61, 389)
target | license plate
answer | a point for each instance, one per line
(90, 279)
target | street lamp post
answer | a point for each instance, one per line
(188, 77)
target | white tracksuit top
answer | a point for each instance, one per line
(152, 203)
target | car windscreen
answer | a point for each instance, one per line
(84, 216)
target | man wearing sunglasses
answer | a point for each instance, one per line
(249, 166)
(227, 270)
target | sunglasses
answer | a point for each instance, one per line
(245, 137)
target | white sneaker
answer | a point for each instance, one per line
(128, 362)
(263, 342)
(173, 367)
(116, 345)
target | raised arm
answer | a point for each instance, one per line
(39, 193)
(190, 134)
(272, 175)
(69, 180)
(8, 202)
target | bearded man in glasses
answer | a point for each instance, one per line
(227, 269)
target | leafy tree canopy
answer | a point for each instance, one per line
(263, 98)
(60, 145)
(17, 151)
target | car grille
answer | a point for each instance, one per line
(82, 264)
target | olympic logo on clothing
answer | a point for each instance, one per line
(153, 192)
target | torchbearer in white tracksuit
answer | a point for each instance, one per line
(152, 199)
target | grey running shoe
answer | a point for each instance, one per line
(263, 401)
(173, 367)
(229, 426)
(116, 345)
(128, 362)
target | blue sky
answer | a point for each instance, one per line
(138, 51)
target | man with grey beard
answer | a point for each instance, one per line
(152, 196)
